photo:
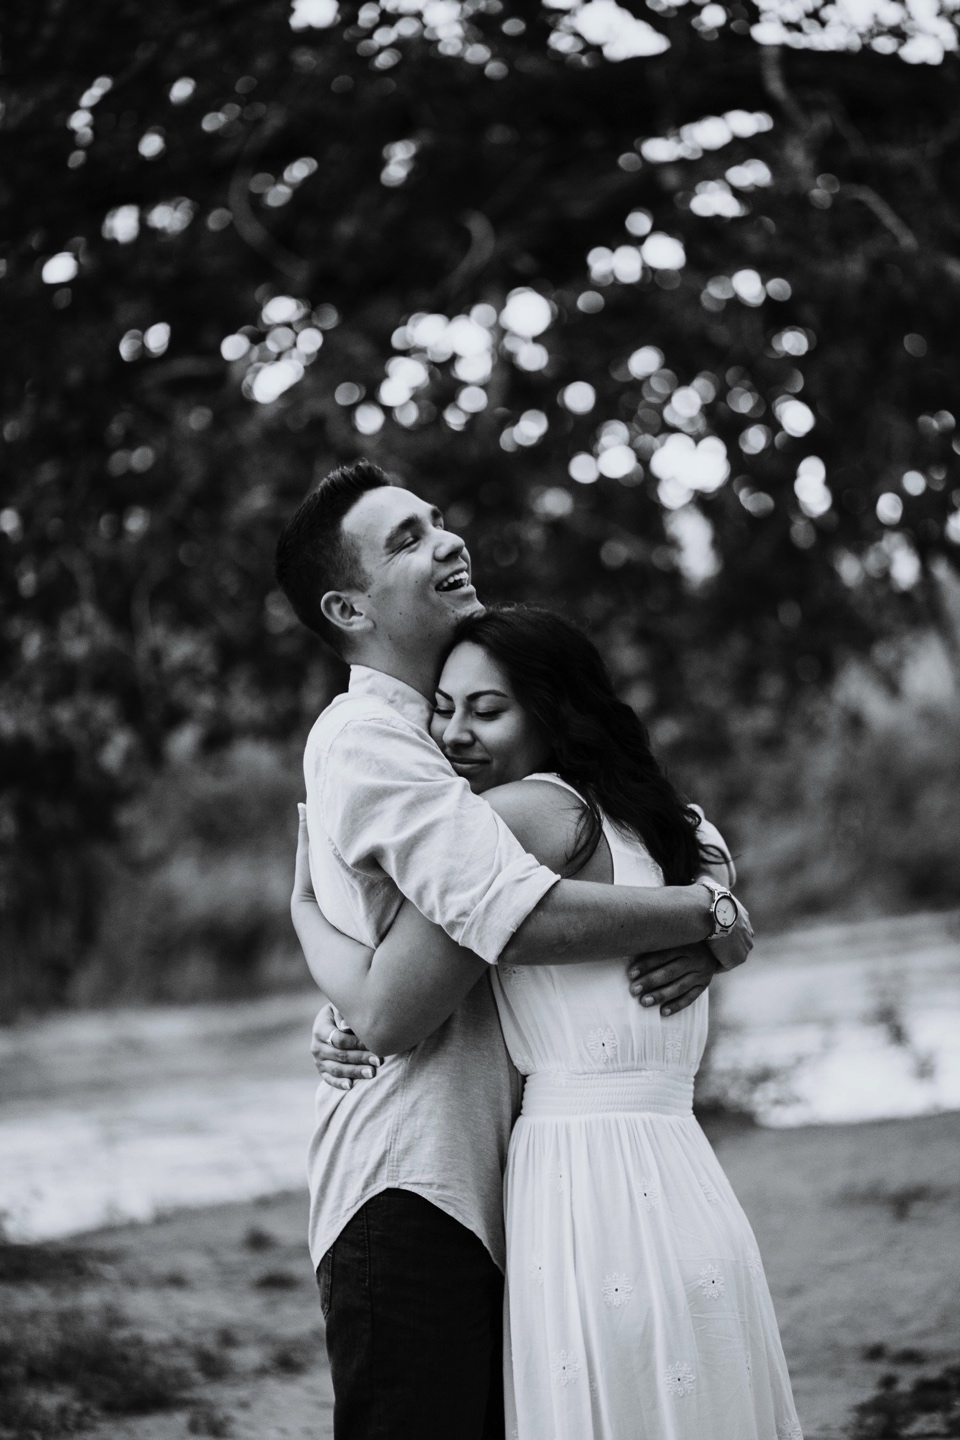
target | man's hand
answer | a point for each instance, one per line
(673, 978)
(732, 949)
(339, 1056)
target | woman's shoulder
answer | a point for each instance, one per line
(544, 815)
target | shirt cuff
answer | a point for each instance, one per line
(517, 890)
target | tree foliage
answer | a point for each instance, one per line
(237, 248)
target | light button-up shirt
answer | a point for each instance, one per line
(388, 818)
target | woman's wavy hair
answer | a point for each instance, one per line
(597, 743)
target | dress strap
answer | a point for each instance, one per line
(554, 779)
(614, 841)
(623, 848)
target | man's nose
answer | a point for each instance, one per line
(447, 545)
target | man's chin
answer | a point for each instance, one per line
(468, 605)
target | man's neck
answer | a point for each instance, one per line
(420, 672)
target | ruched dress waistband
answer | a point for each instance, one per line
(557, 1094)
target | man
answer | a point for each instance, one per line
(406, 1228)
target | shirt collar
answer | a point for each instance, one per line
(398, 695)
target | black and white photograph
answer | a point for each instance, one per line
(480, 721)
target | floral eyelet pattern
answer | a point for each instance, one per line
(711, 1281)
(535, 1270)
(617, 1290)
(648, 1192)
(710, 1192)
(564, 1367)
(679, 1379)
(672, 1047)
(754, 1263)
(603, 1045)
(789, 1430)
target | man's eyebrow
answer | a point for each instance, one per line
(404, 527)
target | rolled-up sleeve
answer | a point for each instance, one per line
(388, 799)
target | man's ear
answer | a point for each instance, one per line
(343, 611)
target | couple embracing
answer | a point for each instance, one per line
(489, 835)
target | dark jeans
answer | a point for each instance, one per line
(414, 1310)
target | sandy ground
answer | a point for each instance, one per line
(859, 1227)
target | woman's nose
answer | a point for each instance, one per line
(458, 733)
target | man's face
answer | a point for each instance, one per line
(417, 573)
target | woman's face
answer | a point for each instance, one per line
(479, 724)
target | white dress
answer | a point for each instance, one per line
(637, 1307)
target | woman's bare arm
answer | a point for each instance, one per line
(400, 993)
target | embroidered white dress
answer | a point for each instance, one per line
(637, 1307)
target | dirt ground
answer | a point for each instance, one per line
(859, 1227)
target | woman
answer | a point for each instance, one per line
(636, 1302)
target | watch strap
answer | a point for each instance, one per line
(719, 892)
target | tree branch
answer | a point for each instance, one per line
(888, 217)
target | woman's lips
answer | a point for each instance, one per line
(459, 762)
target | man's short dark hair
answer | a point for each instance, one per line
(314, 555)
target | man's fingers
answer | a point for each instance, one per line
(682, 1001)
(642, 966)
(664, 975)
(665, 994)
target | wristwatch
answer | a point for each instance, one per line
(723, 910)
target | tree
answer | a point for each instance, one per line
(663, 316)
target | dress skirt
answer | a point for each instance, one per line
(637, 1307)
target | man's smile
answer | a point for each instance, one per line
(459, 580)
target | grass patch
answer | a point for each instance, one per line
(257, 1239)
(30, 1264)
(292, 1357)
(213, 1362)
(208, 1420)
(61, 1370)
(277, 1280)
(928, 1407)
(899, 1200)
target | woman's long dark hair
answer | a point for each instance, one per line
(598, 745)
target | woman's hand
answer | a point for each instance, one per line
(673, 978)
(339, 1056)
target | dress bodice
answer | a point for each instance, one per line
(582, 1019)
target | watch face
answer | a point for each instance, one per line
(725, 912)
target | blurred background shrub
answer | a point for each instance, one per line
(851, 811)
